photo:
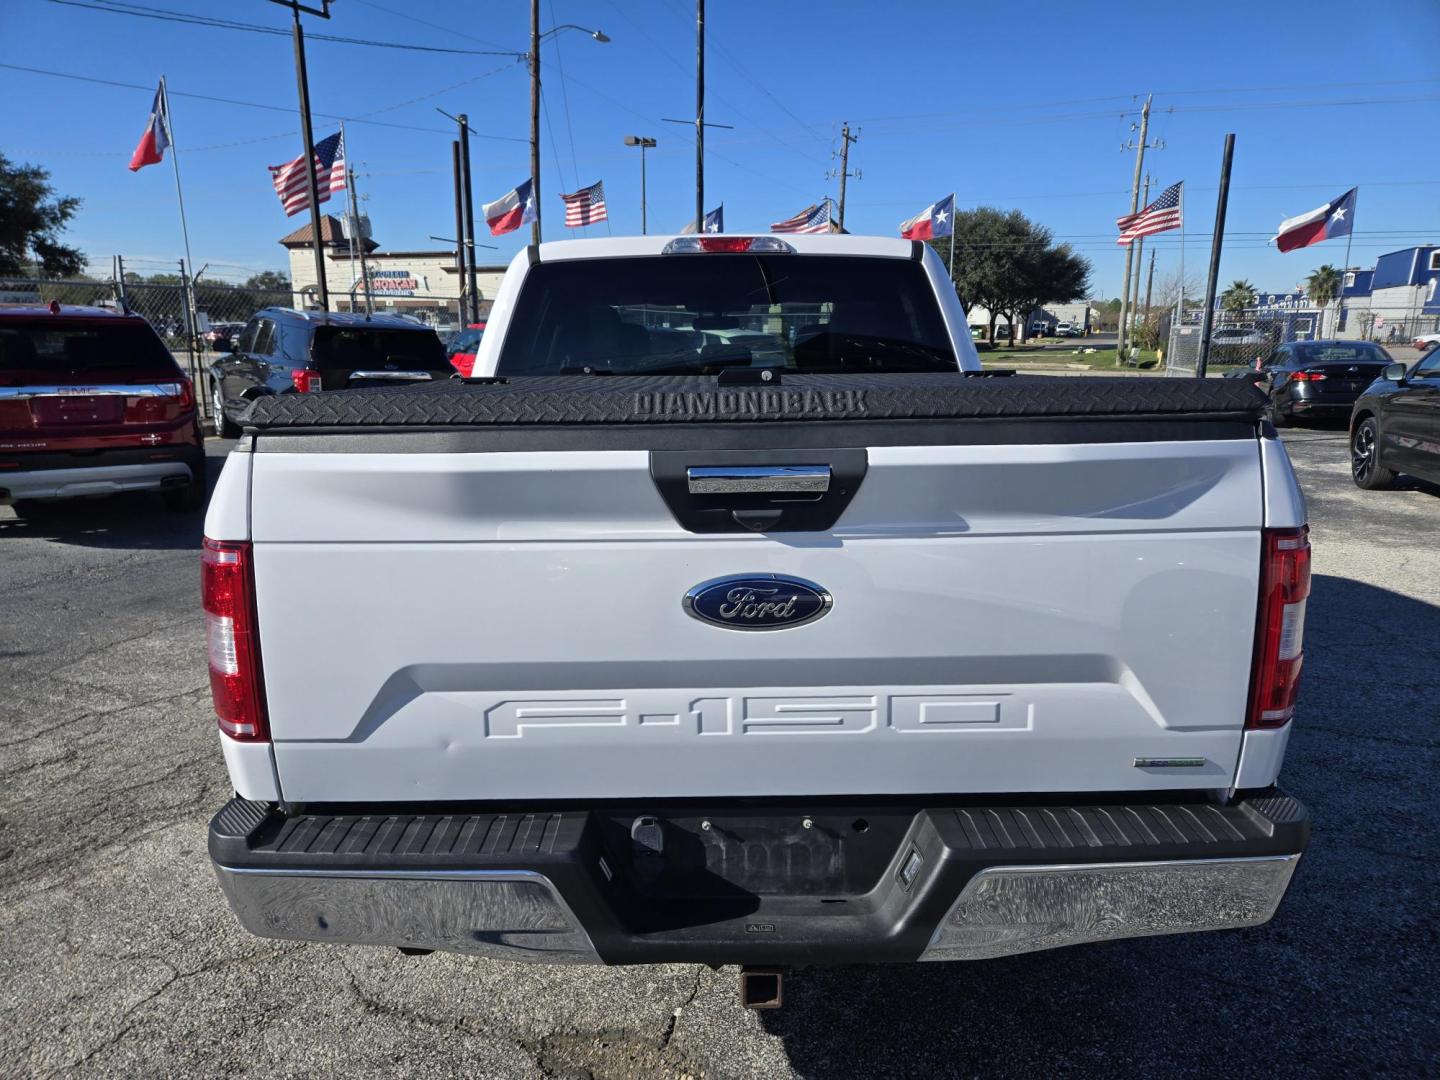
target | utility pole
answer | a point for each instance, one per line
(308, 138)
(357, 239)
(1222, 201)
(1140, 257)
(1139, 149)
(469, 236)
(699, 114)
(535, 117)
(464, 196)
(1149, 282)
(845, 140)
(459, 232)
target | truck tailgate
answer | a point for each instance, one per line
(463, 624)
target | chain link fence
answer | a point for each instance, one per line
(1385, 327)
(1237, 338)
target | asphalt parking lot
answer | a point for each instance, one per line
(121, 958)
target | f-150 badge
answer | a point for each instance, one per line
(757, 602)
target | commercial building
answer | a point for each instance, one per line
(424, 284)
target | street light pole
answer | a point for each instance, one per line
(533, 57)
(643, 142)
(535, 117)
(699, 115)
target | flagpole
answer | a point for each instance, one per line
(952, 237)
(1180, 302)
(186, 285)
(1340, 300)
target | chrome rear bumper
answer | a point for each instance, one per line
(94, 480)
(508, 914)
(725, 884)
(1007, 910)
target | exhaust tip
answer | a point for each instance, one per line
(762, 987)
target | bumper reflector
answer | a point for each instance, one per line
(1007, 910)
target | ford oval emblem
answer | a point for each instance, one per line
(757, 602)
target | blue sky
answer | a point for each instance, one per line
(1012, 105)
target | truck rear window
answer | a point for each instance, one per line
(59, 348)
(361, 349)
(696, 314)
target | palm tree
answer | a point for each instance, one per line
(1323, 285)
(1239, 296)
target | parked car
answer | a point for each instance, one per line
(1247, 337)
(220, 335)
(1312, 380)
(1426, 342)
(461, 349)
(1395, 425)
(805, 652)
(92, 403)
(283, 351)
(1067, 329)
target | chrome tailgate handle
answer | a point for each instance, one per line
(406, 376)
(757, 479)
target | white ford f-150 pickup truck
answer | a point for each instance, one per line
(731, 614)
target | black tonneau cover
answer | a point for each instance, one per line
(833, 400)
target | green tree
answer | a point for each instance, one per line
(1239, 296)
(32, 218)
(1323, 285)
(268, 281)
(1011, 265)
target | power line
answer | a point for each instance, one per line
(425, 22)
(113, 7)
(565, 97)
(247, 104)
(689, 72)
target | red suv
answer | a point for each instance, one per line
(91, 403)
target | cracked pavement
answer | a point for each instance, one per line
(121, 958)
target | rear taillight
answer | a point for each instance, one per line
(174, 399)
(227, 589)
(306, 380)
(464, 365)
(1280, 627)
(1308, 376)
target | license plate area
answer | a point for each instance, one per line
(78, 409)
(689, 855)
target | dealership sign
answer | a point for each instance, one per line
(396, 282)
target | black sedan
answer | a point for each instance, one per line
(1395, 426)
(1314, 380)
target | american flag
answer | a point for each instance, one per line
(1160, 216)
(586, 206)
(290, 179)
(813, 219)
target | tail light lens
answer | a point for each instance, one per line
(1308, 376)
(306, 380)
(1280, 629)
(732, 245)
(227, 589)
(464, 364)
(178, 399)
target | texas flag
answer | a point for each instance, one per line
(156, 139)
(937, 219)
(511, 210)
(1326, 222)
